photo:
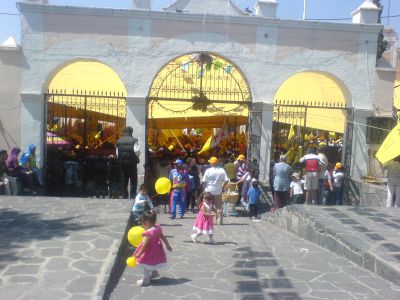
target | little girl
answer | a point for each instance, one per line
(150, 253)
(204, 220)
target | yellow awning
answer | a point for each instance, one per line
(315, 89)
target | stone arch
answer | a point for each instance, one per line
(326, 81)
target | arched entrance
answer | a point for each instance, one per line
(85, 115)
(198, 106)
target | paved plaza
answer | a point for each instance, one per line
(66, 248)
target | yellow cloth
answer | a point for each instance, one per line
(208, 145)
(390, 147)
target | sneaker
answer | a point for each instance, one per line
(193, 237)
(142, 282)
(172, 217)
(181, 216)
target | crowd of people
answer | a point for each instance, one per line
(321, 184)
(19, 172)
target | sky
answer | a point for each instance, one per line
(287, 9)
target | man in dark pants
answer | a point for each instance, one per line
(128, 153)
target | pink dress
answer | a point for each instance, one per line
(204, 224)
(154, 256)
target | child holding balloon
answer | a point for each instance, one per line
(150, 254)
(204, 223)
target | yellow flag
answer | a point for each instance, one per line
(208, 145)
(390, 147)
(291, 133)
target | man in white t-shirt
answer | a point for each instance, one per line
(214, 181)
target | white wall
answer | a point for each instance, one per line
(137, 44)
(10, 74)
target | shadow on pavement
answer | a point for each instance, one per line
(254, 287)
(18, 229)
(164, 281)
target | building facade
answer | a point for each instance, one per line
(136, 43)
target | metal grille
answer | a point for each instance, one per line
(201, 80)
(348, 195)
(294, 112)
(87, 119)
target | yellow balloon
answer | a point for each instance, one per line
(131, 262)
(135, 235)
(163, 185)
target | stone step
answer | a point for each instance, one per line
(369, 237)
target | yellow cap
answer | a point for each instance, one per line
(213, 160)
(241, 157)
(338, 166)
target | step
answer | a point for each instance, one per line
(369, 237)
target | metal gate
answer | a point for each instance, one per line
(80, 123)
(254, 142)
(288, 113)
(348, 195)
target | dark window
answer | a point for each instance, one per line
(378, 129)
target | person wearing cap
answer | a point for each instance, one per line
(241, 170)
(214, 181)
(240, 166)
(338, 179)
(180, 186)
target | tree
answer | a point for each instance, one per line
(382, 44)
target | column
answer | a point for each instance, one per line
(266, 138)
(136, 116)
(33, 124)
(359, 157)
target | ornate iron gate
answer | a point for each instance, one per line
(348, 149)
(291, 112)
(255, 130)
(80, 123)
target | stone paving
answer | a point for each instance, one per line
(370, 237)
(58, 248)
(65, 248)
(252, 260)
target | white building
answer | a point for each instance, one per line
(137, 43)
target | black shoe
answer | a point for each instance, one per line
(181, 217)
(172, 217)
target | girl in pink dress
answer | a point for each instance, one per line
(204, 221)
(150, 254)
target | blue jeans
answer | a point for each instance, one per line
(338, 191)
(178, 197)
(329, 197)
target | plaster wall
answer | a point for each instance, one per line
(10, 111)
(137, 44)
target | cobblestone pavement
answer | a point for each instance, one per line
(58, 249)
(53, 248)
(252, 260)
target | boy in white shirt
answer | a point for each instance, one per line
(296, 189)
(141, 200)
